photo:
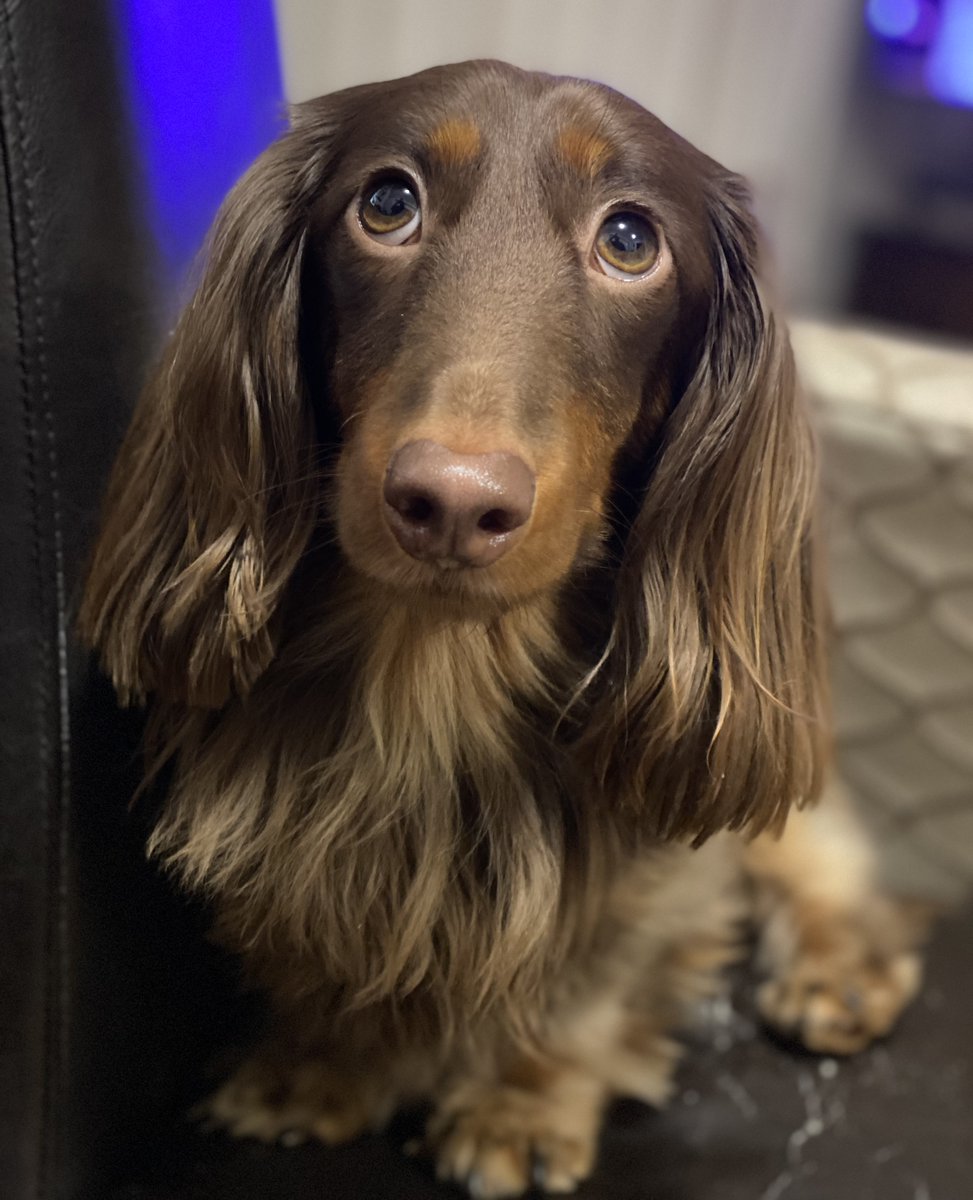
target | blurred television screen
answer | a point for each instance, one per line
(923, 48)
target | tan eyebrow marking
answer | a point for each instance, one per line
(584, 149)
(454, 142)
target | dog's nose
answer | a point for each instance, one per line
(457, 509)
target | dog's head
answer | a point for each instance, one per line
(482, 323)
(508, 271)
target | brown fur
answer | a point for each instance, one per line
(439, 814)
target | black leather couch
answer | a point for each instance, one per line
(111, 1002)
(98, 970)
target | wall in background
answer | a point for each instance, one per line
(761, 85)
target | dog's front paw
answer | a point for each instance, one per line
(291, 1102)
(502, 1141)
(837, 981)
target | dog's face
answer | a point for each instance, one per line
(469, 320)
(507, 269)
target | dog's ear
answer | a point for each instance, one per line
(713, 715)
(212, 499)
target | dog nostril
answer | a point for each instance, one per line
(498, 520)
(417, 509)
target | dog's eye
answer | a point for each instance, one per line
(626, 246)
(390, 210)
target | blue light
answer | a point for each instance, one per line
(949, 71)
(206, 97)
(894, 19)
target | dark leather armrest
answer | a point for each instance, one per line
(95, 965)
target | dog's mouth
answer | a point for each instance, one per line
(440, 591)
(448, 563)
(445, 576)
(457, 588)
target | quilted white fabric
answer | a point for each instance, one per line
(896, 425)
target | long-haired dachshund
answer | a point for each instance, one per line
(463, 545)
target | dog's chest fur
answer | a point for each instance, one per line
(404, 823)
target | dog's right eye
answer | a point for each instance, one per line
(627, 246)
(390, 210)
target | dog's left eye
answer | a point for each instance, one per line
(627, 246)
(390, 210)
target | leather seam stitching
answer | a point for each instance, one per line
(37, 432)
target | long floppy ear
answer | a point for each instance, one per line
(715, 714)
(212, 499)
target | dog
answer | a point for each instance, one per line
(463, 549)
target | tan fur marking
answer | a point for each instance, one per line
(454, 142)
(588, 152)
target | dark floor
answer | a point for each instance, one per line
(751, 1121)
